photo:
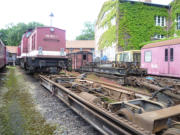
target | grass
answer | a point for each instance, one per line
(18, 115)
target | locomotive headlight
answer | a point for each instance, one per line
(40, 50)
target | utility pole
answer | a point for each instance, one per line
(51, 16)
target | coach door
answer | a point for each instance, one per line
(171, 59)
(174, 62)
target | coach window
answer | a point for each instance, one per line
(166, 54)
(148, 56)
(84, 56)
(171, 54)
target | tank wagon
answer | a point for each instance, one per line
(43, 50)
(162, 58)
(2, 55)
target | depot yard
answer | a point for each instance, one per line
(26, 108)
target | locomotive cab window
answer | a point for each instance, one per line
(171, 54)
(148, 56)
(166, 54)
(84, 56)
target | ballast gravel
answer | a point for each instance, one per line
(56, 112)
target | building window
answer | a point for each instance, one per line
(160, 21)
(158, 36)
(92, 50)
(166, 54)
(178, 21)
(81, 49)
(171, 54)
(148, 56)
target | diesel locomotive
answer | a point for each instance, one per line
(43, 50)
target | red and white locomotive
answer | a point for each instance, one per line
(43, 50)
(2, 55)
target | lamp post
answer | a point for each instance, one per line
(51, 16)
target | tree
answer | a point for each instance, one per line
(87, 33)
(13, 33)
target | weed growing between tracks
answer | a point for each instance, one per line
(18, 115)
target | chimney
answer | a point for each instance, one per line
(148, 1)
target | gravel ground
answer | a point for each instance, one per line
(56, 112)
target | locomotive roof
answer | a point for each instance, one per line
(48, 27)
(163, 43)
(147, 3)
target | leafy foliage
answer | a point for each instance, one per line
(175, 8)
(87, 33)
(137, 24)
(13, 33)
(105, 18)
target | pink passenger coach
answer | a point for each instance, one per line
(162, 58)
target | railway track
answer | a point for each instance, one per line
(98, 104)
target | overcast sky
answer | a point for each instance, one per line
(69, 15)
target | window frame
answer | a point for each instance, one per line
(145, 56)
(171, 54)
(178, 21)
(160, 21)
(166, 55)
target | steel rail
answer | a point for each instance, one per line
(104, 121)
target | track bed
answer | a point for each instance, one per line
(99, 105)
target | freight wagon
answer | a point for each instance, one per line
(80, 59)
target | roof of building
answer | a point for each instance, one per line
(11, 49)
(80, 44)
(147, 3)
(163, 43)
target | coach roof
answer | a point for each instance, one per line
(163, 43)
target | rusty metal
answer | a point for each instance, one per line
(121, 87)
(103, 120)
(112, 110)
(157, 120)
(169, 88)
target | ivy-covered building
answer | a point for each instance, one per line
(127, 24)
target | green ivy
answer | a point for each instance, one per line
(137, 24)
(107, 13)
(175, 9)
